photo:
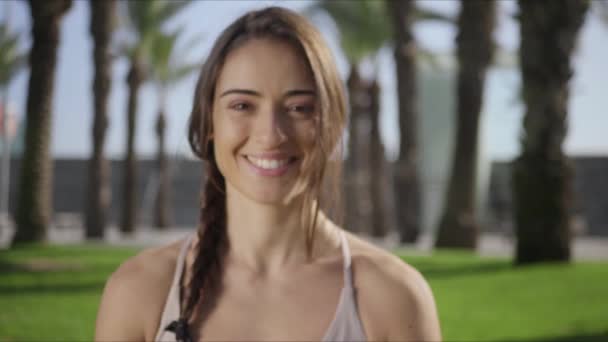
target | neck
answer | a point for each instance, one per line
(267, 238)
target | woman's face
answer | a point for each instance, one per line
(264, 115)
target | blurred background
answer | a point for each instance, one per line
(475, 150)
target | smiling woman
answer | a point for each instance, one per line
(264, 120)
(267, 262)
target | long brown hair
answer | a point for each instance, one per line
(323, 171)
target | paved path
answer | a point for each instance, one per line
(490, 244)
(501, 245)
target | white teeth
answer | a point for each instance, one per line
(267, 164)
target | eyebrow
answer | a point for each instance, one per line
(289, 93)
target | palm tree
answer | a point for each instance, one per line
(542, 174)
(458, 227)
(99, 191)
(377, 162)
(407, 182)
(146, 18)
(404, 14)
(34, 204)
(11, 62)
(166, 70)
(354, 85)
(363, 31)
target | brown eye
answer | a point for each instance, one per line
(302, 110)
(241, 106)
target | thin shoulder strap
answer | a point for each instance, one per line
(346, 325)
(347, 262)
(172, 310)
(179, 267)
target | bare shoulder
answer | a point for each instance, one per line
(395, 301)
(134, 295)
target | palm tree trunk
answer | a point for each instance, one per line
(376, 165)
(6, 156)
(129, 207)
(98, 198)
(35, 203)
(542, 174)
(5, 163)
(458, 227)
(407, 181)
(163, 196)
(351, 184)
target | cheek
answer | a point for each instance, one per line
(306, 134)
(228, 136)
(308, 142)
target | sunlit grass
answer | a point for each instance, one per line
(489, 299)
(51, 293)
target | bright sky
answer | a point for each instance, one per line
(72, 107)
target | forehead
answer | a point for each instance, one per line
(266, 65)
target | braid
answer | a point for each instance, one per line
(205, 283)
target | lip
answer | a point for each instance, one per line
(269, 155)
(280, 171)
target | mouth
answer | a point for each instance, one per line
(270, 166)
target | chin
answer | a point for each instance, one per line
(268, 195)
(276, 197)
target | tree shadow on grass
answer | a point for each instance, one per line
(39, 265)
(46, 270)
(72, 288)
(592, 337)
(9, 268)
(435, 270)
(49, 266)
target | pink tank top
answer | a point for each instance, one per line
(346, 325)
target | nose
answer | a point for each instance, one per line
(270, 130)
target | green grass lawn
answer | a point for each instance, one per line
(51, 293)
(490, 300)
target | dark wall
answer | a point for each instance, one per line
(590, 186)
(69, 189)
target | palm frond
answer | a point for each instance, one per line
(421, 14)
(168, 9)
(12, 60)
(10, 69)
(166, 67)
(146, 20)
(181, 71)
(161, 52)
(362, 24)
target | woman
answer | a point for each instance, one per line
(266, 262)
